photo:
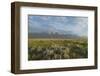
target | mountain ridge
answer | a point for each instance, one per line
(52, 35)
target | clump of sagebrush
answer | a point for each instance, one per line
(57, 49)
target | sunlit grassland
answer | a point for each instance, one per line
(50, 49)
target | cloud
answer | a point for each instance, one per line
(60, 24)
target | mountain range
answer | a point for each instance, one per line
(53, 35)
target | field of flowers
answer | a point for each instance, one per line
(51, 49)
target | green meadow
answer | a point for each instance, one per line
(51, 49)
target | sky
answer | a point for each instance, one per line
(58, 24)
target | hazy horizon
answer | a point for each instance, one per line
(58, 24)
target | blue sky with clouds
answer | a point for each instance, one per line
(59, 24)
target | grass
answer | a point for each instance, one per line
(50, 49)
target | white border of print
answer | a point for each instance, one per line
(25, 64)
